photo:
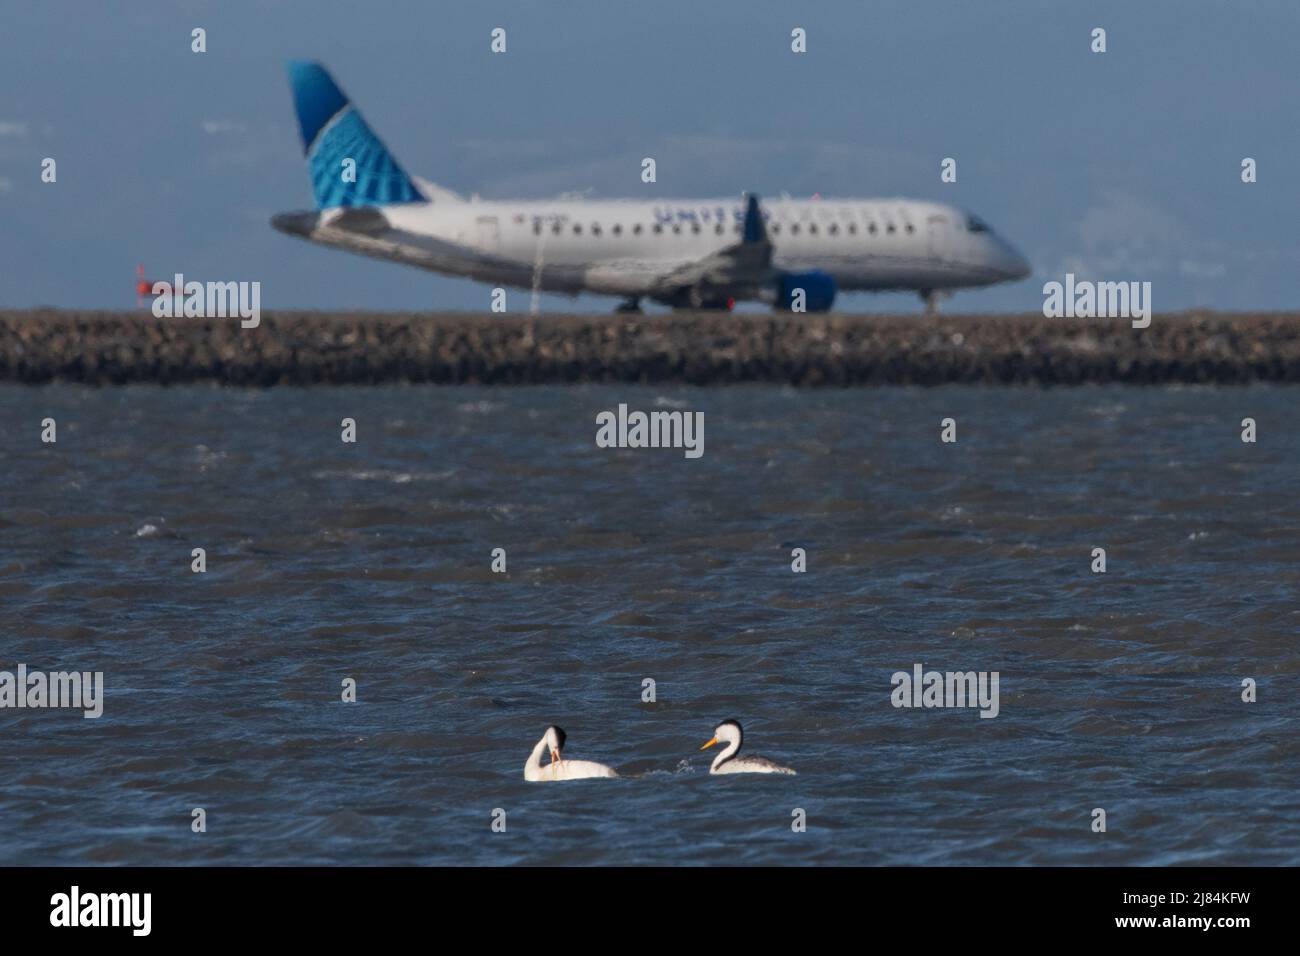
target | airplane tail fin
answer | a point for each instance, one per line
(349, 165)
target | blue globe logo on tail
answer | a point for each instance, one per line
(334, 132)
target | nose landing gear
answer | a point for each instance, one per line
(931, 299)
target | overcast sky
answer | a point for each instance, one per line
(1122, 165)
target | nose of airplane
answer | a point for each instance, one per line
(1014, 264)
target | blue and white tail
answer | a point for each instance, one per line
(349, 164)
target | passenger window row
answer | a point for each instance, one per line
(774, 228)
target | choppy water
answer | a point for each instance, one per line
(371, 561)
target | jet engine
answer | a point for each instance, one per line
(818, 291)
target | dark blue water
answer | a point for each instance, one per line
(372, 561)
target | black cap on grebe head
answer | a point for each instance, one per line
(728, 732)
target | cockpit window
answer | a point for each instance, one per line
(976, 224)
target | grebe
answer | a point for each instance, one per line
(558, 769)
(728, 732)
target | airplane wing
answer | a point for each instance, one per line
(739, 271)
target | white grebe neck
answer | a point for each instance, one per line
(731, 735)
(533, 767)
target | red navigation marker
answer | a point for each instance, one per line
(143, 286)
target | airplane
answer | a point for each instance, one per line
(701, 254)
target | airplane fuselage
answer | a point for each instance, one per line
(624, 248)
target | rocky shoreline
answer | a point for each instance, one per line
(302, 348)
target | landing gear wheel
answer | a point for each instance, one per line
(632, 304)
(701, 303)
(931, 299)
